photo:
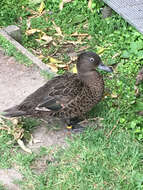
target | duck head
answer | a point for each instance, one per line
(89, 61)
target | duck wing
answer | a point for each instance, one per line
(52, 96)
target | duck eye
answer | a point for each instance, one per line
(91, 59)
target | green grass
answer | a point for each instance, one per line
(2, 187)
(12, 51)
(93, 160)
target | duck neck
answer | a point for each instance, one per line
(93, 79)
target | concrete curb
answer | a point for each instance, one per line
(13, 35)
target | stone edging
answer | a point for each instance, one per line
(13, 35)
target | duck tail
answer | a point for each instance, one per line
(13, 112)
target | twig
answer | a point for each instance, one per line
(109, 134)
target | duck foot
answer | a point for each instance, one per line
(76, 128)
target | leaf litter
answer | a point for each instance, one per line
(57, 42)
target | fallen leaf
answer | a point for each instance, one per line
(58, 30)
(61, 5)
(53, 60)
(114, 95)
(90, 4)
(22, 145)
(100, 50)
(74, 69)
(53, 67)
(48, 39)
(81, 35)
(32, 31)
(61, 66)
(38, 40)
(83, 48)
(41, 8)
(116, 55)
(54, 43)
(72, 42)
(41, 57)
(28, 23)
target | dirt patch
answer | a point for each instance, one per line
(42, 136)
(7, 178)
(16, 81)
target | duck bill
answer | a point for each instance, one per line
(105, 68)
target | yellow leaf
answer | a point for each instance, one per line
(53, 60)
(74, 69)
(32, 31)
(41, 8)
(100, 50)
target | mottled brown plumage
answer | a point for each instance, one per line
(68, 96)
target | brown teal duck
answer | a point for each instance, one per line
(68, 96)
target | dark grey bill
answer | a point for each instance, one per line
(105, 68)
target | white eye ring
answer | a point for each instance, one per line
(91, 59)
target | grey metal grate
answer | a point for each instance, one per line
(130, 10)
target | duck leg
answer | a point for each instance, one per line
(73, 125)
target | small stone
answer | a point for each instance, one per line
(14, 32)
(106, 12)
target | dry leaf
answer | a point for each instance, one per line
(21, 144)
(74, 69)
(61, 5)
(58, 30)
(48, 39)
(72, 42)
(116, 55)
(83, 48)
(41, 8)
(32, 31)
(100, 50)
(53, 60)
(41, 57)
(54, 43)
(28, 23)
(53, 67)
(80, 35)
(73, 56)
(62, 66)
(114, 95)
(90, 4)
(38, 40)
